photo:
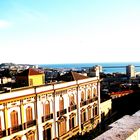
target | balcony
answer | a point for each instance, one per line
(72, 107)
(2, 133)
(92, 120)
(95, 98)
(14, 129)
(87, 123)
(75, 130)
(83, 103)
(61, 112)
(47, 117)
(70, 133)
(29, 124)
(90, 101)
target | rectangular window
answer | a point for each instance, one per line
(96, 111)
(84, 116)
(71, 123)
(89, 113)
(47, 134)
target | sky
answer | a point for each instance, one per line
(69, 31)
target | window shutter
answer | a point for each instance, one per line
(61, 103)
(29, 114)
(14, 118)
(47, 108)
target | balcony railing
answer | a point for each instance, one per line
(2, 133)
(70, 133)
(92, 120)
(47, 117)
(14, 129)
(83, 103)
(90, 101)
(86, 123)
(95, 98)
(61, 112)
(71, 108)
(29, 124)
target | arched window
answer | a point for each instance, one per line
(29, 114)
(82, 96)
(14, 118)
(61, 103)
(89, 94)
(46, 108)
(71, 98)
(62, 126)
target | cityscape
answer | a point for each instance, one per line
(39, 103)
(69, 70)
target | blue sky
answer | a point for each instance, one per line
(69, 31)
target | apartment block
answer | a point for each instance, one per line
(54, 111)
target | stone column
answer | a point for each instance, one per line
(6, 118)
(22, 114)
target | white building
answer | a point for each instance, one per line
(47, 112)
(130, 71)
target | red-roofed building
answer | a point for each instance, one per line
(30, 77)
(72, 76)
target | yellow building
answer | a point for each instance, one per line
(30, 77)
(105, 108)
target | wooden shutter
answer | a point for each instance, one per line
(72, 100)
(47, 108)
(31, 137)
(89, 94)
(14, 118)
(95, 92)
(89, 113)
(62, 127)
(82, 96)
(29, 114)
(61, 103)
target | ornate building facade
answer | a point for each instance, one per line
(56, 111)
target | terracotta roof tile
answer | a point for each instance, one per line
(30, 71)
(72, 76)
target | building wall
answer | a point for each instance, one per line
(36, 80)
(135, 135)
(35, 97)
(130, 71)
(106, 106)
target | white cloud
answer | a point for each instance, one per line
(4, 24)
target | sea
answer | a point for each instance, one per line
(107, 67)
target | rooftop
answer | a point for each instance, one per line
(72, 76)
(30, 71)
